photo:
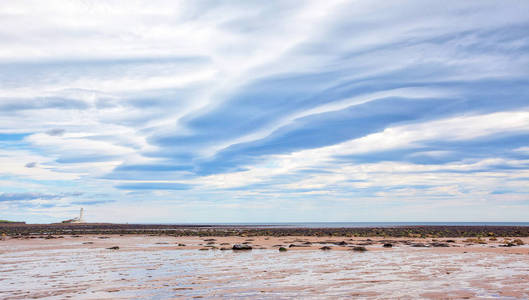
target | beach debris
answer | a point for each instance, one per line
(113, 248)
(282, 249)
(325, 248)
(241, 247)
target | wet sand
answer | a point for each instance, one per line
(168, 267)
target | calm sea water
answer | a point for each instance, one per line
(362, 224)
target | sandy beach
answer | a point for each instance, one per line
(169, 267)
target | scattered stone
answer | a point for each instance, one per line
(162, 243)
(282, 249)
(366, 244)
(209, 240)
(224, 248)
(359, 249)
(88, 243)
(211, 243)
(518, 242)
(113, 248)
(294, 245)
(342, 243)
(181, 245)
(325, 248)
(450, 241)
(387, 245)
(224, 244)
(203, 249)
(103, 237)
(439, 245)
(241, 247)
(419, 245)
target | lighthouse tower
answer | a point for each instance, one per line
(81, 220)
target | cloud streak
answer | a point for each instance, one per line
(269, 111)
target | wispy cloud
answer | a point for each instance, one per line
(269, 111)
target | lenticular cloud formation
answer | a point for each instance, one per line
(265, 111)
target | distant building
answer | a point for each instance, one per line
(76, 220)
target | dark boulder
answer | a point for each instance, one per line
(387, 245)
(439, 245)
(241, 247)
(113, 248)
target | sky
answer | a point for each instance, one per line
(264, 111)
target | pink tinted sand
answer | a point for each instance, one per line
(157, 267)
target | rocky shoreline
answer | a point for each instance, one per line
(116, 266)
(228, 230)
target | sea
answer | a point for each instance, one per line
(356, 224)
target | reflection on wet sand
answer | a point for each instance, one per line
(157, 268)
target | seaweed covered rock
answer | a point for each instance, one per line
(359, 249)
(241, 247)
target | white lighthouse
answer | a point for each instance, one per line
(78, 219)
